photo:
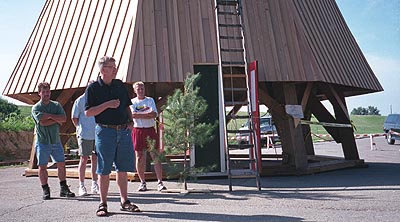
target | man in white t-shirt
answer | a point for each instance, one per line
(144, 112)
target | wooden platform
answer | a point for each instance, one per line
(272, 166)
(72, 172)
(316, 164)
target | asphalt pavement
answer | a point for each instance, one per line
(358, 194)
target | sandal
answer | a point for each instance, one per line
(102, 210)
(128, 206)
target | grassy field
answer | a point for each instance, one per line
(25, 110)
(363, 124)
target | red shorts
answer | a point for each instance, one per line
(140, 135)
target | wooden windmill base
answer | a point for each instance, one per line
(272, 165)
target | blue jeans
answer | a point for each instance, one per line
(114, 146)
(45, 151)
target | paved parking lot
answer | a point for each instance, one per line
(361, 194)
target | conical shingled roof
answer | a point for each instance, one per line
(160, 40)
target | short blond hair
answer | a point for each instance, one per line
(137, 83)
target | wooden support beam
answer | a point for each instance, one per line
(306, 129)
(349, 145)
(275, 107)
(304, 92)
(293, 143)
(32, 159)
(337, 100)
(323, 115)
(306, 95)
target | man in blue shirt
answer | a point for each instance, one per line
(108, 101)
(85, 134)
(48, 116)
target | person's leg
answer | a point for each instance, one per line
(94, 166)
(141, 164)
(43, 154)
(122, 181)
(81, 174)
(43, 175)
(104, 182)
(124, 163)
(85, 150)
(82, 169)
(106, 142)
(158, 169)
(61, 171)
(57, 155)
(157, 165)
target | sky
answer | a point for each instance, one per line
(375, 25)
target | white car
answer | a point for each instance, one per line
(267, 129)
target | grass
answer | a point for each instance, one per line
(25, 110)
(363, 124)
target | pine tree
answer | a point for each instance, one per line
(183, 130)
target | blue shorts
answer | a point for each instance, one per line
(45, 151)
(114, 146)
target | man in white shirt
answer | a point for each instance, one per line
(143, 112)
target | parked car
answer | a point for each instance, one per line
(267, 127)
(391, 127)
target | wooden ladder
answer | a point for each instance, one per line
(241, 157)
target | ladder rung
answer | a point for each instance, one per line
(234, 75)
(242, 173)
(232, 63)
(230, 25)
(242, 160)
(238, 131)
(232, 66)
(240, 146)
(230, 37)
(234, 103)
(227, 2)
(237, 117)
(236, 89)
(231, 50)
(227, 13)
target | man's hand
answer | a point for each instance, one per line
(129, 126)
(113, 103)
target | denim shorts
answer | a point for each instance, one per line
(114, 146)
(45, 151)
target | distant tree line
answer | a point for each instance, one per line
(7, 108)
(11, 118)
(370, 110)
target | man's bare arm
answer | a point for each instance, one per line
(75, 121)
(138, 115)
(96, 110)
(50, 119)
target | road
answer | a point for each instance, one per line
(359, 194)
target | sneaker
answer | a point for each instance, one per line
(65, 192)
(46, 193)
(160, 186)
(142, 187)
(82, 191)
(95, 188)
